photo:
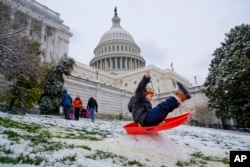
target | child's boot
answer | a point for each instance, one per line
(182, 92)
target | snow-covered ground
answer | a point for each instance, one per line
(35, 140)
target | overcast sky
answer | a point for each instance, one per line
(185, 32)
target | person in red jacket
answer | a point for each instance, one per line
(78, 106)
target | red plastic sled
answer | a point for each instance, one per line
(133, 128)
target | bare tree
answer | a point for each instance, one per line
(20, 60)
(203, 116)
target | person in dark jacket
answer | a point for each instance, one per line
(93, 106)
(141, 107)
(66, 103)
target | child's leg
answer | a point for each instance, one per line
(66, 112)
(92, 114)
(77, 113)
(159, 113)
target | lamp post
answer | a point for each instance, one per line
(195, 80)
(121, 84)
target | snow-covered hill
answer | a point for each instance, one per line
(34, 140)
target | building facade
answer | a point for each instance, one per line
(43, 25)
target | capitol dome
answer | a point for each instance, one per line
(116, 33)
(117, 51)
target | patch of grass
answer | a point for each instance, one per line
(210, 158)
(8, 123)
(197, 154)
(5, 150)
(85, 147)
(42, 137)
(68, 160)
(116, 158)
(186, 163)
(24, 159)
(82, 135)
(182, 163)
(134, 163)
(13, 136)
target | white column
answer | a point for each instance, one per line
(111, 63)
(121, 63)
(126, 65)
(115, 62)
(100, 64)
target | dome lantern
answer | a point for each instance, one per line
(116, 20)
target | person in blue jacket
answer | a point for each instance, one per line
(66, 103)
(141, 107)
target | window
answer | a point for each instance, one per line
(123, 62)
(113, 61)
(108, 63)
(118, 62)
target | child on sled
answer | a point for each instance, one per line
(141, 107)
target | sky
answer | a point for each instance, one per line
(69, 138)
(185, 33)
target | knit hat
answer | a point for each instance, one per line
(148, 90)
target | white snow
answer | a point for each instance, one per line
(182, 144)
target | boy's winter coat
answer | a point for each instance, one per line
(138, 104)
(77, 102)
(66, 100)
